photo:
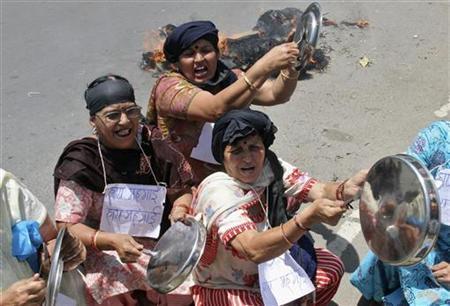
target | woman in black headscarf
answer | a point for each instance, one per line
(249, 220)
(201, 88)
(111, 188)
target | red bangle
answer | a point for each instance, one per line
(300, 225)
(94, 241)
(340, 191)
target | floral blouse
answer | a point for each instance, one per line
(105, 274)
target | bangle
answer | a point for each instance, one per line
(94, 240)
(300, 225)
(284, 235)
(247, 81)
(340, 191)
(287, 77)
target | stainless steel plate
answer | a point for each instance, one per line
(399, 210)
(307, 33)
(56, 271)
(175, 255)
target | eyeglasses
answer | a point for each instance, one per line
(132, 112)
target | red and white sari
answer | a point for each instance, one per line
(230, 207)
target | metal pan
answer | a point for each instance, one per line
(56, 271)
(307, 34)
(175, 255)
(399, 210)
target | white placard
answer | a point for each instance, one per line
(64, 300)
(282, 280)
(203, 149)
(133, 209)
(443, 184)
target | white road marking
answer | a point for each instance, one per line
(443, 111)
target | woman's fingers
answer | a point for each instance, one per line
(34, 288)
(73, 251)
(282, 56)
(290, 37)
(138, 247)
(439, 266)
(441, 272)
(131, 251)
(329, 211)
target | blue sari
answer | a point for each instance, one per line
(413, 285)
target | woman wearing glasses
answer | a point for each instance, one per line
(111, 188)
(185, 102)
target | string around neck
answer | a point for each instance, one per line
(143, 153)
(266, 216)
(103, 164)
(148, 162)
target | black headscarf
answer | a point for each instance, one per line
(107, 90)
(237, 124)
(183, 36)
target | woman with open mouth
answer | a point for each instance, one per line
(253, 228)
(114, 190)
(201, 88)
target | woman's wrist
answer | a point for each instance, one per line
(299, 224)
(306, 218)
(103, 241)
(340, 189)
(289, 75)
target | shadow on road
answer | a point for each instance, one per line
(340, 247)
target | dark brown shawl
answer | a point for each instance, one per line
(80, 162)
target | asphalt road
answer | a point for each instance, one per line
(338, 121)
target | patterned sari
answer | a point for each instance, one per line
(413, 285)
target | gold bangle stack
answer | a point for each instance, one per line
(247, 81)
(288, 77)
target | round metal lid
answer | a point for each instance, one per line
(312, 22)
(175, 255)
(398, 210)
(56, 270)
(307, 33)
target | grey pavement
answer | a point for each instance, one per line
(337, 122)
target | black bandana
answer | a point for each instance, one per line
(237, 124)
(183, 36)
(106, 92)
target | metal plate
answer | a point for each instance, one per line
(307, 33)
(399, 210)
(56, 271)
(175, 255)
(312, 22)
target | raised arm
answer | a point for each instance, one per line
(346, 190)
(251, 87)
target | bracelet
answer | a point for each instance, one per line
(284, 235)
(340, 191)
(287, 77)
(94, 240)
(300, 225)
(247, 81)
